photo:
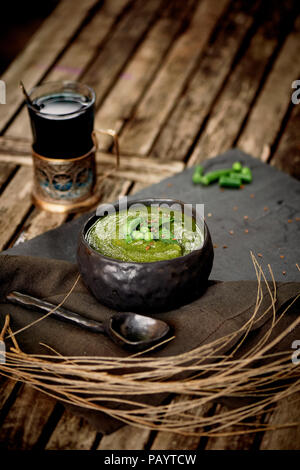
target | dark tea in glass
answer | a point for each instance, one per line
(62, 119)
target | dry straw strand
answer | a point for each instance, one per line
(49, 313)
(207, 375)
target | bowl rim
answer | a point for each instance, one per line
(207, 237)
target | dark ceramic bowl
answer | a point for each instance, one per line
(145, 287)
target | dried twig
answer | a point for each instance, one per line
(93, 382)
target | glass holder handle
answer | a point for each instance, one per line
(114, 135)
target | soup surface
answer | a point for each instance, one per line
(145, 235)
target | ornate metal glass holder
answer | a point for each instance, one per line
(64, 146)
(69, 185)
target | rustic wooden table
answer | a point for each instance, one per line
(180, 82)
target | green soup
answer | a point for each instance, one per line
(145, 235)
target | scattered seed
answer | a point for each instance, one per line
(169, 185)
(246, 217)
(235, 208)
(297, 218)
(290, 221)
(147, 247)
(284, 273)
(259, 254)
(282, 256)
(225, 246)
(215, 246)
(231, 232)
(252, 196)
(209, 214)
(246, 230)
(266, 208)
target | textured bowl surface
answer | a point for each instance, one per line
(145, 287)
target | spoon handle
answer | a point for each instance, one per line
(42, 306)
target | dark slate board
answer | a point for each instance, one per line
(276, 200)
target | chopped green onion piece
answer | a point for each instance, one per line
(148, 236)
(166, 220)
(237, 166)
(215, 175)
(197, 178)
(204, 181)
(229, 182)
(198, 173)
(246, 171)
(199, 170)
(245, 178)
(133, 224)
(136, 235)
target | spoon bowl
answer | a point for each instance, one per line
(134, 330)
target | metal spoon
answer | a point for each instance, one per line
(27, 98)
(129, 330)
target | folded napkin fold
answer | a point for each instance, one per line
(222, 309)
